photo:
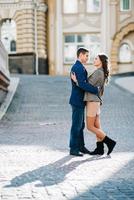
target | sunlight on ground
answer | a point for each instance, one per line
(57, 171)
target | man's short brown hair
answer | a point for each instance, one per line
(82, 50)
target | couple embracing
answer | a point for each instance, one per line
(87, 93)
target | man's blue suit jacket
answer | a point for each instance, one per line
(77, 93)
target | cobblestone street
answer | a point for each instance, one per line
(34, 156)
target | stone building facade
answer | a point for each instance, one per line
(101, 26)
(31, 37)
(48, 33)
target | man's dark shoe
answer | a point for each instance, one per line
(73, 153)
(84, 150)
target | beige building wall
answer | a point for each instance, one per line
(114, 26)
(42, 26)
(25, 30)
(123, 33)
(81, 23)
(51, 32)
(30, 17)
(55, 37)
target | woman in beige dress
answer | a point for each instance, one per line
(93, 102)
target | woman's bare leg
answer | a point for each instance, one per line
(91, 127)
(97, 124)
(99, 150)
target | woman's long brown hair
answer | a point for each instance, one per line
(104, 60)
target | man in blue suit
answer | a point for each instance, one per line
(77, 145)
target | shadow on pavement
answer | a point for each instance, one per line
(51, 174)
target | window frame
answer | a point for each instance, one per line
(121, 6)
(94, 12)
(125, 62)
(8, 48)
(69, 13)
(11, 48)
(76, 44)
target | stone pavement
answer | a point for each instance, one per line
(34, 134)
(126, 83)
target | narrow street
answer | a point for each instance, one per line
(34, 156)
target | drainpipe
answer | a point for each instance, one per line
(35, 36)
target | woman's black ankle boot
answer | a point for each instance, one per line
(110, 144)
(99, 150)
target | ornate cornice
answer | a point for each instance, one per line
(24, 5)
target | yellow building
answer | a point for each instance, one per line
(43, 35)
(23, 32)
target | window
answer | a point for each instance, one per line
(70, 6)
(124, 53)
(93, 6)
(8, 35)
(13, 46)
(75, 41)
(125, 5)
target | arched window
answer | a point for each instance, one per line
(125, 53)
(8, 35)
(13, 46)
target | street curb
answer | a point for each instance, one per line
(11, 91)
(125, 74)
(125, 83)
